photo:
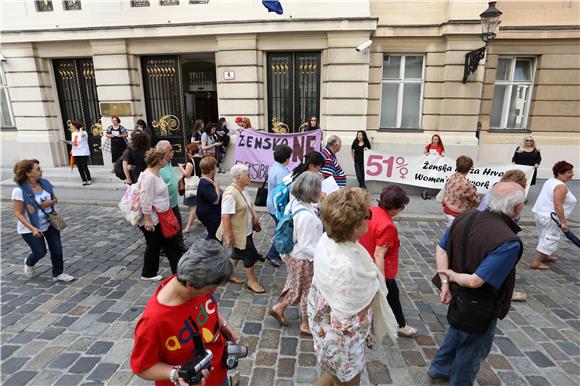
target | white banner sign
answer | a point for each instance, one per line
(431, 171)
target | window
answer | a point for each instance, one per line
(293, 89)
(139, 3)
(402, 91)
(198, 1)
(512, 93)
(6, 115)
(168, 2)
(43, 5)
(71, 5)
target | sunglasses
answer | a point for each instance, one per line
(529, 140)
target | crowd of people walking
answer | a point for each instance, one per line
(343, 259)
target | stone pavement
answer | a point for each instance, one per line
(81, 333)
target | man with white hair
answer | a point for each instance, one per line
(331, 166)
(171, 180)
(476, 260)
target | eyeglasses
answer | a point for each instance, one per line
(369, 215)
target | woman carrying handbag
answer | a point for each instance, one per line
(191, 175)
(159, 224)
(239, 222)
(33, 200)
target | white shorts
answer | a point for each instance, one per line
(548, 235)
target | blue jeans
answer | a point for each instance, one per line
(461, 355)
(38, 247)
(272, 252)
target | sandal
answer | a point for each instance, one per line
(540, 266)
(519, 296)
(236, 280)
(305, 332)
(550, 259)
(261, 290)
(280, 318)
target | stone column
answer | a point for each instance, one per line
(35, 106)
(344, 94)
(241, 96)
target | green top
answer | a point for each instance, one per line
(170, 178)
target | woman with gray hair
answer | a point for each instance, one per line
(299, 262)
(238, 224)
(181, 307)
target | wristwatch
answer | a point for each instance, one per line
(173, 375)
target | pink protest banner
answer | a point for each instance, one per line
(256, 149)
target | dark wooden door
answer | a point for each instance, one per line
(77, 95)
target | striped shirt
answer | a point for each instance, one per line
(332, 168)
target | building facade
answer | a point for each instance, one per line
(171, 62)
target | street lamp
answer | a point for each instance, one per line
(489, 26)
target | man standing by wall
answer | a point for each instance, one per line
(171, 179)
(476, 260)
(331, 166)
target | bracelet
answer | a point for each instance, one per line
(173, 375)
(444, 281)
(224, 324)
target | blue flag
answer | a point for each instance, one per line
(273, 6)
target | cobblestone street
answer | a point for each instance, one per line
(82, 333)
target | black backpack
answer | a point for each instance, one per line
(119, 165)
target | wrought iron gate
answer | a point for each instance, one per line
(77, 94)
(293, 89)
(164, 100)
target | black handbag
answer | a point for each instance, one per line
(262, 194)
(471, 309)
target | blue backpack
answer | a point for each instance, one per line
(281, 197)
(284, 235)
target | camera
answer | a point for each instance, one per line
(364, 46)
(233, 352)
(190, 372)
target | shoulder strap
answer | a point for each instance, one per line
(298, 211)
(265, 182)
(31, 196)
(466, 231)
(244, 197)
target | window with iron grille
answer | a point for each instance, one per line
(402, 91)
(293, 89)
(71, 5)
(140, 3)
(43, 5)
(168, 2)
(512, 93)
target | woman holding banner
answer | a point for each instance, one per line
(360, 143)
(459, 193)
(434, 148)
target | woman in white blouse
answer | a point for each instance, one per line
(80, 151)
(307, 231)
(154, 198)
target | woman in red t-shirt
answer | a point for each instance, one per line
(181, 307)
(434, 148)
(382, 243)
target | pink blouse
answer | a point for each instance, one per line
(153, 195)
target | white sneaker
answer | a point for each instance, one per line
(154, 278)
(407, 331)
(65, 277)
(28, 270)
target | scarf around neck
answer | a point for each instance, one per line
(349, 280)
